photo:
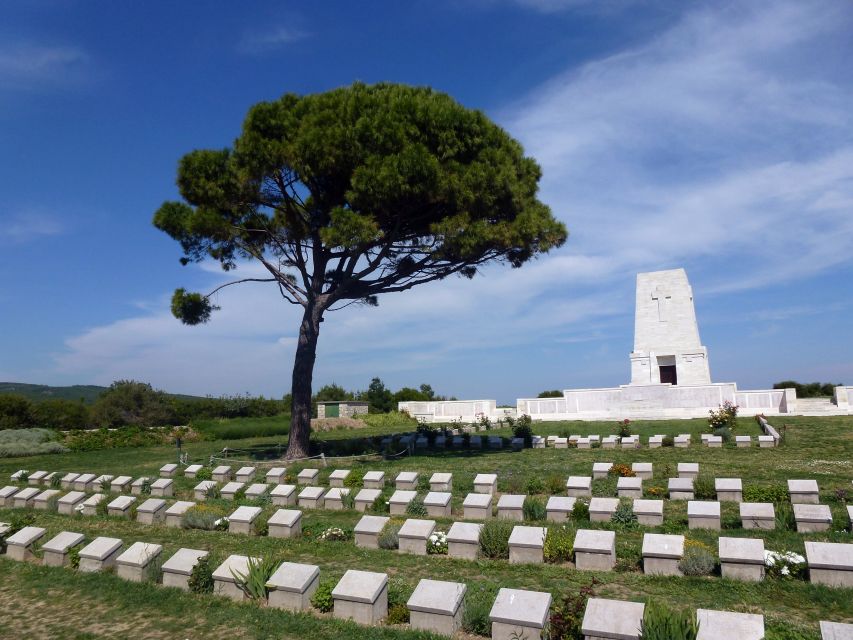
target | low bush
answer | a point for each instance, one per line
(254, 582)
(725, 433)
(399, 593)
(556, 484)
(668, 441)
(724, 417)
(201, 577)
(355, 479)
(785, 520)
(494, 538)
(101, 439)
(580, 511)
(478, 604)
(388, 420)
(535, 485)
(621, 470)
(704, 487)
(389, 537)
(322, 599)
(205, 473)
(624, 516)
(662, 623)
(523, 428)
(785, 564)
(416, 507)
(16, 443)
(559, 544)
(335, 534)
(534, 509)
(698, 559)
(201, 516)
(567, 613)
(437, 543)
(775, 493)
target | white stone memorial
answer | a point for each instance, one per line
(120, 484)
(413, 536)
(559, 508)
(374, 480)
(629, 487)
(612, 619)
(227, 577)
(662, 553)
(517, 613)
(99, 554)
(283, 495)
(276, 475)
(463, 540)
(90, 504)
(43, 500)
(830, 563)
(20, 545)
(25, 498)
(714, 625)
(361, 596)
(230, 490)
(292, 585)
(680, 488)
(242, 520)
(400, 500)
(602, 509)
(595, 550)
(649, 512)
(174, 514)
(579, 486)
(121, 507)
(151, 511)
(757, 515)
(163, 488)
(178, 569)
(406, 481)
(729, 489)
(803, 491)
(222, 473)
(365, 499)
(168, 470)
(84, 482)
(201, 490)
(334, 498)
(135, 564)
(367, 531)
(486, 483)
(527, 545)
(703, 514)
(67, 503)
(245, 474)
(338, 477)
(811, 518)
(511, 506)
(688, 470)
(436, 606)
(191, 472)
(55, 551)
(601, 470)
(285, 523)
(742, 558)
(308, 477)
(441, 482)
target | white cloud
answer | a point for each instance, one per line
(724, 145)
(24, 226)
(270, 39)
(30, 64)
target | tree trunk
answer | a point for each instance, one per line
(303, 372)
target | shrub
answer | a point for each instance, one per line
(580, 510)
(567, 613)
(122, 437)
(131, 403)
(355, 479)
(201, 577)
(785, 520)
(698, 559)
(621, 470)
(29, 442)
(322, 599)
(205, 473)
(74, 557)
(668, 441)
(662, 623)
(201, 516)
(335, 534)
(416, 507)
(212, 493)
(389, 537)
(556, 484)
(348, 500)
(534, 509)
(254, 582)
(399, 593)
(624, 516)
(559, 544)
(535, 485)
(704, 487)
(724, 416)
(494, 538)
(785, 564)
(774, 493)
(437, 543)
(523, 428)
(478, 604)
(725, 433)
(397, 614)
(16, 412)
(56, 481)
(623, 428)
(64, 415)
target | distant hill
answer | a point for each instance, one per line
(88, 392)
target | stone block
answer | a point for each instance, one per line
(20, 545)
(283, 495)
(137, 485)
(243, 519)
(681, 441)
(338, 477)
(436, 606)
(89, 506)
(222, 473)
(163, 488)
(334, 498)
(102, 482)
(680, 488)
(579, 486)
(365, 499)
(517, 444)
(538, 442)
(630, 442)
(55, 551)
(151, 511)
(276, 475)
(559, 508)
(374, 480)
(835, 631)
(441, 482)
(803, 491)
(655, 442)
(766, 442)
(629, 487)
(688, 470)
(67, 481)
(714, 625)
(47, 480)
(830, 563)
(649, 512)
(7, 495)
(609, 442)
(201, 489)
(120, 484)
(84, 482)
(662, 553)
(285, 523)
(527, 545)
(42, 501)
(518, 613)
(715, 442)
(584, 443)
(742, 558)
(309, 477)
(367, 531)
(169, 470)
(406, 481)
(743, 441)
(729, 489)
(245, 474)
(601, 470)
(192, 470)
(67, 503)
(413, 536)
(121, 506)
(35, 478)
(230, 489)
(226, 575)
(496, 442)
(612, 619)
(437, 504)
(174, 514)
(463, 540)
(511, 507)
(758, 515)
(400, 500)
(812, 518)
(135, 564)
(292, 585)
(311, 497)
(595, 550)
(25, 498)
(561, 443)
(256, 490)
(643, 470)
(602, 509)
(486, 483)
(361, 596)
(100, 554)
(703, 514)
(178, 569)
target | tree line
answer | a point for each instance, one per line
(809, 389)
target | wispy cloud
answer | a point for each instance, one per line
(31, 63)
(25, 226)
(269, 39)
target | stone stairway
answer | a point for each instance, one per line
(816, 407)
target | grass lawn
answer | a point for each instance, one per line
(72, 605)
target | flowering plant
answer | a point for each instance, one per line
(725, 416)
(79, 508)
(784, 564)
(437, 543)
(221, 524)
(333, 533)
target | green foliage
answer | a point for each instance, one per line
(775, 493)
(662, 623)
(131, 403)
(388, 420)
(478, 603)
(348, 499)
(61, 414)
(809, 389)
(201, 577)
(254, 582)
(389, 537)
(494, 538)
(724, 417)
(16, 412)
(621, 470)
(191, 308)
(397, 614)
(74, 557)
(535, 485)
(623, 428)
(559, 544)
(29, 442)
(698, 559)
(101, 507)
(704, 487)
(20, 519)
(380, 398)
(556, 484)
(399, 593)
(580, 511)
(523, 428)
(322, 599)
(668, 441)
(354, 480)
(567, 613)
(554, 393)
(724, 433)
(205, 473)
(784, 516)
(416, 507)
(104, 439)
(534, 509)
(624, 516)
(201, 516)
(787, 633)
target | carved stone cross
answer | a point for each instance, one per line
(662, 296)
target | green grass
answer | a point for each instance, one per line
(819, 448)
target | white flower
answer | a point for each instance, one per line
(785, 571)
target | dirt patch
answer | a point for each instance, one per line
(332, 424)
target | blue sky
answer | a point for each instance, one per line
(715, 136)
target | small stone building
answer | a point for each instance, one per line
(340, 408)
